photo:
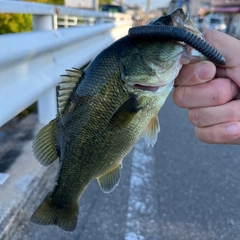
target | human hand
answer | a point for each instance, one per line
(212, 94)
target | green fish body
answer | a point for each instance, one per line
(103, 111)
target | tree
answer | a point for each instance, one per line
(105, 2)
(13, 23)
(55, 2)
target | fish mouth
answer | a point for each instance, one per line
(152, 88)
(146, 87)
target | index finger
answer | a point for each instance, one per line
(229, 48)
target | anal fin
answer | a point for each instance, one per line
(110, 179)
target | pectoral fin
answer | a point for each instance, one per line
(152, 131)
(125, 113)
(110, 179)
(44, 144)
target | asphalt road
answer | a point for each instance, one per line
(181, 189)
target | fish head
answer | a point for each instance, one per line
(150, 66)
(178, 18)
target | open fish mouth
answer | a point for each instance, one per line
(146, 87)
(152, 88)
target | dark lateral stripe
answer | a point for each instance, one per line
(178, 34)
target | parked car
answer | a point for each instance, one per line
(213, 21)
(112, 8)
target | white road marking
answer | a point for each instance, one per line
(142, 208)
(3, 177)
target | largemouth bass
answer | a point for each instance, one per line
(102, 112)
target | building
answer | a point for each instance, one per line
(199, 7)
(194, 7)
(231, 10)
(225, 3)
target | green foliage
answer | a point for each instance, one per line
(13, 23)
(105, 2)
(55, 2)
(29, 110)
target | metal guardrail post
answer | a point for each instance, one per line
(38, 59)
(99, 20)
(47, 103)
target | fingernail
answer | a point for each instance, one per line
(205, 71)
(233, 129)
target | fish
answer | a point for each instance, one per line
(103, 111)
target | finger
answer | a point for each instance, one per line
(209, 94)
(228, 46)
(195, 73)
(233, 73)
(225, 133)
(225, 44)
(203, 117)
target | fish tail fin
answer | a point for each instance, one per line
(49, 213)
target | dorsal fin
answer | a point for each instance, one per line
(66, 87)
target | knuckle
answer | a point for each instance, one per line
(193, 116)
(221, 98)
(234, 110)
(232, 114)
(208, 135)
(216, 137)
(199, 134)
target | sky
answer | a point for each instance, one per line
(142, 3)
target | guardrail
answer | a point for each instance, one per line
(31, 63)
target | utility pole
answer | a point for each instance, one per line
(148, 6)
(147, 11)
(95, 4)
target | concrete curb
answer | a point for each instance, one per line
(27, 180)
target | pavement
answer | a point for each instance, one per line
(182, 189)
(27, 178)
